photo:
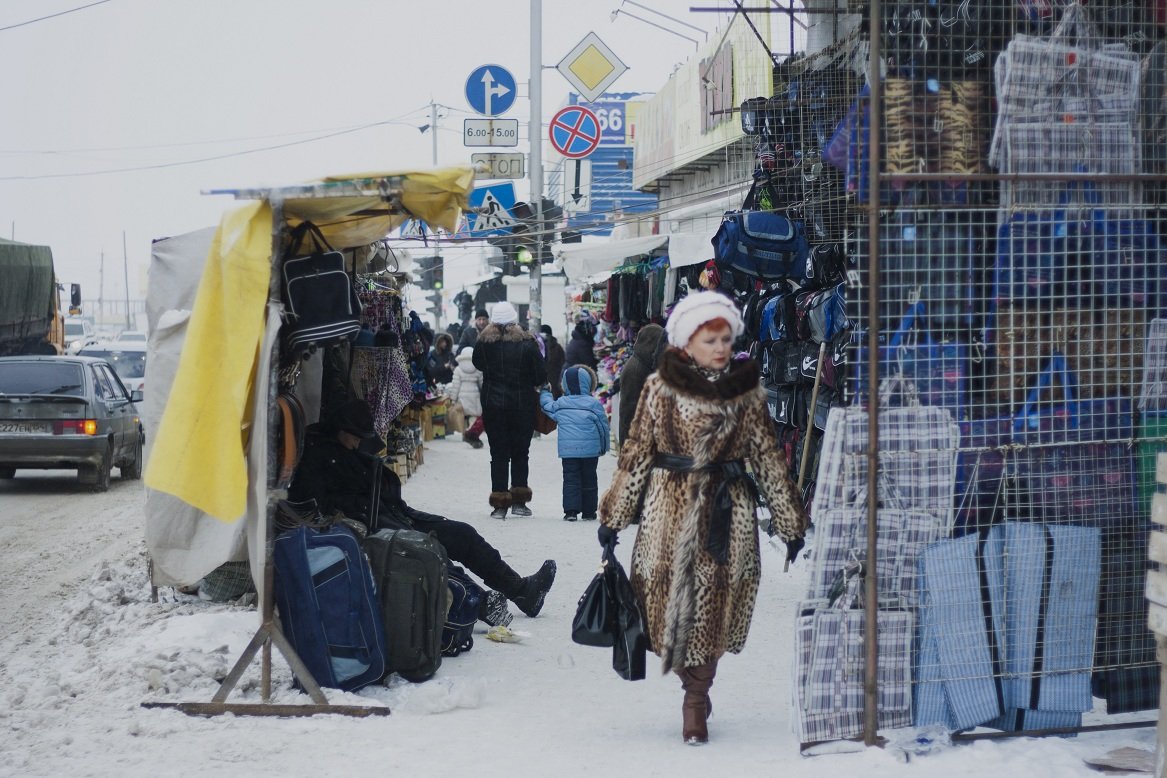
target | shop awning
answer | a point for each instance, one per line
(357, 209)
(584, 261)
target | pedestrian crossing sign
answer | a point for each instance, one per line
(490, 210)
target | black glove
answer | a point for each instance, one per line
(793, 547)
(607, 536)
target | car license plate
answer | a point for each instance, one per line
(23, 428)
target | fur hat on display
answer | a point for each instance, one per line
(695, 310)
(503, 313)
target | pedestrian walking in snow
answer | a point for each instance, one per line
(583, 439)
(695, 563)
(512, 371)
(466, 389)
(636, 370)
(581, 349)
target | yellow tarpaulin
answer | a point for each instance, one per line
(198, 453)
(198, 449)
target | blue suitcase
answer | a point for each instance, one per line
(328, 606)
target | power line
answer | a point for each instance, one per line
(52, 16)
(208, 142)
(200, 160)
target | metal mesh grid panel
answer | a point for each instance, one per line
(1026, 311)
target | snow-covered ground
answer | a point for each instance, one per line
(80, 655)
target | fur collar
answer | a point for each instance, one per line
(510, 333)
(676, 371)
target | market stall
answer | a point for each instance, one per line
(213, 467)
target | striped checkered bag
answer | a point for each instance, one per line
(1072, 71)
(829, 669)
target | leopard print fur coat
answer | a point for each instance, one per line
(696, 609)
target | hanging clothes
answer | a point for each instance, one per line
(380, 373)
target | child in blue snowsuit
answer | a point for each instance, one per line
(583, 439)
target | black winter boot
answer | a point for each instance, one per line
(534, 589)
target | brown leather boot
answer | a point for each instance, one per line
(696, 707)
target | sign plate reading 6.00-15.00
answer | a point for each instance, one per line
(490, 132)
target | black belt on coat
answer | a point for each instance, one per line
(717, 543)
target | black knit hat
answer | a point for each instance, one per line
(356, 418)
(481, 314)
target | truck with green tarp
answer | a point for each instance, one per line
(30, 315)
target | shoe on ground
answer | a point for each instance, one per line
(494, 611)
(534, 590)
(589, 517)
(498, 513)
(518, 509)
(474, 442)
(570, 516)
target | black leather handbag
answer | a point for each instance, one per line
(609, 616)
(595, 616)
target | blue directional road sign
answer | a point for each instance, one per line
(490, 90)
(496, 202)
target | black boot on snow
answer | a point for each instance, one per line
(535, 588)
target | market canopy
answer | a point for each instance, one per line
(209, 451)
(583, 261)
(358, 209)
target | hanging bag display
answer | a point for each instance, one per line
(318, 294)
(762, 245)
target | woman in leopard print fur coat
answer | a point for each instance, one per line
(695, 564)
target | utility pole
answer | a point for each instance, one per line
(126, 277)
(437, 251)
(535, 131)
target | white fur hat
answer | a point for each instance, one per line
(695, 310)
(503, 313)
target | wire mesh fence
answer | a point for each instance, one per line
(1021, 328)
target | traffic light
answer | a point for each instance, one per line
(439, 273)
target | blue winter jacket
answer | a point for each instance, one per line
(583, 424)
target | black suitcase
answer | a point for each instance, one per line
(410, 570)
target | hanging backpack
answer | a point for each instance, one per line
(318, 294)
(761, 244)
(820, 315)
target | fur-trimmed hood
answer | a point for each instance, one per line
(677, 372)
(508, 333)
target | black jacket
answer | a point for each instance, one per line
(636, 370)
(511, 366)
(342, 480)
(556, 361)
(439, 368)
(580, 349)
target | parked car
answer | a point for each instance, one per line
(128, 361)
(68, 412)
(132, 336)
(78, 333)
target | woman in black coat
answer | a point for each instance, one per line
(638, 367)
(439, 368)
(556, 361)
(581, 348)
(512, 369)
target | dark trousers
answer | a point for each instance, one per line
(466, 547)
(581, 493)
(508, 431)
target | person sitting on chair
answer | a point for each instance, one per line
(339, 476)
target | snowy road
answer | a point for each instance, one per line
(53, 532)
(82, 646)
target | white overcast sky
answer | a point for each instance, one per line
(136, 83)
